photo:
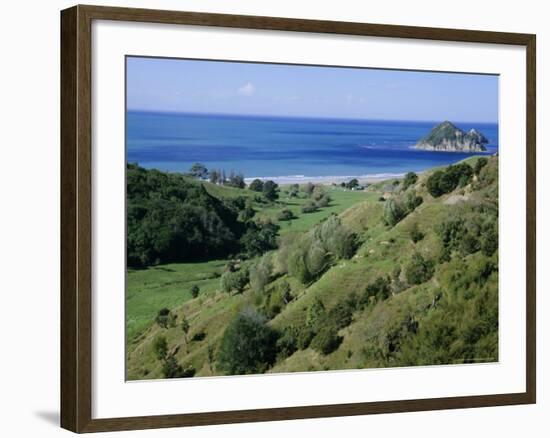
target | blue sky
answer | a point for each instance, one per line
(176, 85)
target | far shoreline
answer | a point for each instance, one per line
(328, 180)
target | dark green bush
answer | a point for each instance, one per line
(480, 164)
(419, 270)
(379, 289)
(415, 233)
(248, 344)
(165, 318)
(195, 290)
(160, 347)
(409, 180)
(326, 340)
(285, 215)
(445, 181)
(171, 369)
(287, 343)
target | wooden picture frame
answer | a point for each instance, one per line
(76, 217)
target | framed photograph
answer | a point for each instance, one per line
(269, 218)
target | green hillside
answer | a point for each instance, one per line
(367, 279)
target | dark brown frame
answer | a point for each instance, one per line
(76, 237)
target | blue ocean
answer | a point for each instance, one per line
(281, 147)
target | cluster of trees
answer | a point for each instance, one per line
(318, 198)
(217, 176)
(269, 189)
(172, 219)
(310, 254)
(445, 181)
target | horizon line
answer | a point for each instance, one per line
(280, 116)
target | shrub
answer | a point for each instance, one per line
(393, 212)
(260, 273)
(296, 264)
(195, 289)
(287, 343)
(160, 347)
(198, 337)
(285, 215)
(412, 201)
(379, 289)
(489, 241)
(415, 233)
(305, 335)
(165, 318)
(256, 185)
(309, 207)
(248, 344)
(171, 369)
(234, 281)
(409, 180)
(419, 270)
(323, 201)
(315, 314)
(340, 316)
(480, 164)
(326, 340)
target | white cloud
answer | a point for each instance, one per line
(247, 89)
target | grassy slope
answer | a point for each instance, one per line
(381, 251)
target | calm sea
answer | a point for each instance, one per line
(282, 147)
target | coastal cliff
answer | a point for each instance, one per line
(446, 137)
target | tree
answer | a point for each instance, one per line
(236, 180)
(259, 239)
(270, 190)
(195, 289)
(409, 180)
(160, 347)
(256, 185)
(198, 170)
(214, 176)
(248, 345)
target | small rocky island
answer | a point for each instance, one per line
(446, 137)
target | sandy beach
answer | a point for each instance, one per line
(326, 180)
